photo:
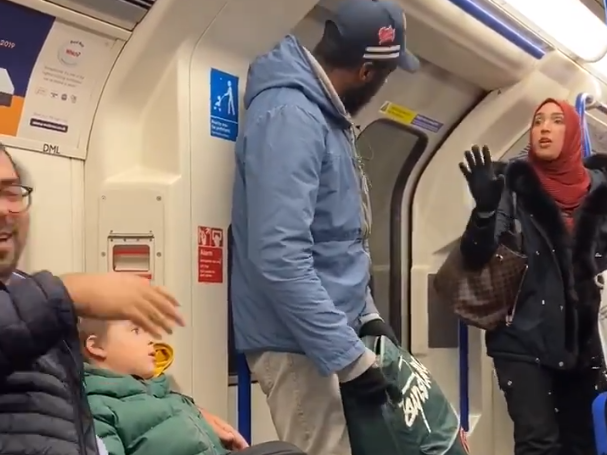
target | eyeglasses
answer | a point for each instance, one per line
(17, 198)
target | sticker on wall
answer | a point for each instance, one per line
(406, 116)
(397, 113)
(426, 123)
(224, 105)
(210, 254)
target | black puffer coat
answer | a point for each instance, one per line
(43, 409)
(555, 322)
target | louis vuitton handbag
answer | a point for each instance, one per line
(487, 297)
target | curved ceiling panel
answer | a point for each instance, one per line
(125, 14)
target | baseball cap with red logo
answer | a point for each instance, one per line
(377, 30)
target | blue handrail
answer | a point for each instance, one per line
(243, 374)
(245, 427)
(581, 103)
(464, 386)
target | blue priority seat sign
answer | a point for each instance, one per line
(224, 105)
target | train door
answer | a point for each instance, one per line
(390, 151)
(395, 148)
(434, 330)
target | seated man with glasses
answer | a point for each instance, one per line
(44, 408)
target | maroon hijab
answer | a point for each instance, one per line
(565, 179)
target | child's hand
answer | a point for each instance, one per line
(230, 438)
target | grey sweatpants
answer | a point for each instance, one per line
(306, 407)
(272, 448)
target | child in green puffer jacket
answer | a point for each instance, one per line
(137, 414)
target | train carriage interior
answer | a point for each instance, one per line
(124, 114)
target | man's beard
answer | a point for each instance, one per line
(8, 262)
(357, 98)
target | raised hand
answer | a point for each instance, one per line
(486, 188)
(121, 296)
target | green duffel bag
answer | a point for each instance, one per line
(422, 423)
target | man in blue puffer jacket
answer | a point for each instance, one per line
(301, 219)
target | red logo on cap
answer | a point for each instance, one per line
(386, 35)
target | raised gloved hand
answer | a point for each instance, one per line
(371, 388)
(486, 188)
(378, 328)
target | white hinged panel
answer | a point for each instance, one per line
(132, 217)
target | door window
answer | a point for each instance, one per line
(389, 151)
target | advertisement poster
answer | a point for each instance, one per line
(49, 71)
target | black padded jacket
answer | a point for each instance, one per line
(555, 318)
(43, 409)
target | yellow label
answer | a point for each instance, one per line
(397, 113)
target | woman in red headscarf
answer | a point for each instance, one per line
(548, 360)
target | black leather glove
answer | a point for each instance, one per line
(485, 187)
(378, 328)
(371, 388)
